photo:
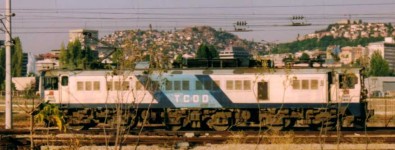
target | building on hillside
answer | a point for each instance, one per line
(350, 54)
(380, 86)
(85, 36)
(232, 52)
(46, 64)
(31, 64)
(23, 83)
(277, 58)
(346, 57)
(47, 61)
(25, 61)
(104, 53)
(55, 52)
(386, 49)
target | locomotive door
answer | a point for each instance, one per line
(64, 89)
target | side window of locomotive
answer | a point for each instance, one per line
(185, 85)
(296, 84)
(65, 81)
(208, 85)
(117, 86)
(88, 86)
(51, 83)
(247, 84)
(80, 86)
(305, 84)
(109, 86)
(216, 85)
(139, 86)
(177, 85)
(263, 91)
(169, 85)
(314, 84)
(125, 85)
(229, 84)
(347, 81)
(238, 85)
(153, 85)
(96, 86)
(199, 85)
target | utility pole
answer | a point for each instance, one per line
(8, 43)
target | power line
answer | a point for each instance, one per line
(223, 7)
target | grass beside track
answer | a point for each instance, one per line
(21, 109)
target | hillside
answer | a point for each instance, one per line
(352, 33)
(185, 41)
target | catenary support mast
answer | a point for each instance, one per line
(8, 44)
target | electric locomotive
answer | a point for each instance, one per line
(209, 98)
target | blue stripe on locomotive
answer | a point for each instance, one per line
(192, 98)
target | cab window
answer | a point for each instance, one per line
(51, 83)
(347, 81)
(65, 81)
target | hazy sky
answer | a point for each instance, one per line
(43, 25)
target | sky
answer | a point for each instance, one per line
(43, 25)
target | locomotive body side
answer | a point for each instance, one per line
(308, 93)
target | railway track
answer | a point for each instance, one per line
(97, 136)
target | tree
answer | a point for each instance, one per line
(378, 65)
(202, 52)
(304, 58)
(16, 60)
(207, 52)
(74, 56)
(63, 58)
(178, 61)
(50, 114)
(213, 51)
(288, 59)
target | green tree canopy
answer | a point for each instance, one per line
(16, 60)
(378, 65)
(305, 57)
(207, 52)
(213, 51)
(322, 43)
(74, 56)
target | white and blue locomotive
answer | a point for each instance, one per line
(209, 98)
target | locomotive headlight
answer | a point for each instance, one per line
(50, 96)
(346, 91)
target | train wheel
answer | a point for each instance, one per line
(328, 126)
(324, 121)
(210, 124)
(275, 127)
(174, 127)
(289, 123)
(220, 128)
(76, 128)
(219, 121)
(132, 120)
(134, 123)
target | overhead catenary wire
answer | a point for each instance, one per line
(225, 7)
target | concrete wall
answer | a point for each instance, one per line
(379, 86)
(22, 83)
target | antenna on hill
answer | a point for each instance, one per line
(299, 21)
(241, 26)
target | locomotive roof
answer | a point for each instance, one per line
(202, 71)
